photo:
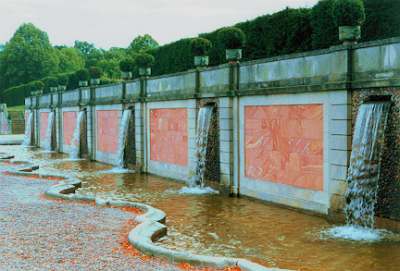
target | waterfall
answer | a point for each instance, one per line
(50, 132)
(4, 125)
(203, 127)
(76, 150)
(123, 137)
(364, 169)
(28, 137)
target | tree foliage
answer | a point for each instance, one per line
(141, 44)
(70, 60)
(27, 56)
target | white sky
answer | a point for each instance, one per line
(108, 23)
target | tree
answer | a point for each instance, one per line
(26, 57)
(70, 60)
(141, 44)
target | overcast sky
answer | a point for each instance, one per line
(108, 23)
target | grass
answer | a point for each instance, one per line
(16, 108)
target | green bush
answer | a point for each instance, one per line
(126, 65)
(95, 72)
(144, 60)
(349, 12)
(173, 57)
(83, 75)
(16, 95)
(382, 19)
(73, 81)
(231, 37)
(200, 46)
(62, 79)
(50, 81)
(36, 85)
(324, 29)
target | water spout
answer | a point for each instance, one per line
(123, 137)
(50, 132)
(203, 127)
(4, 125)
(28, 137)
(364, 169)
(77, 138)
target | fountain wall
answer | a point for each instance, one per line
(284, 123)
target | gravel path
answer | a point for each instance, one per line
(40, 234)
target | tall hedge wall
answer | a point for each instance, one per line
(284, 32)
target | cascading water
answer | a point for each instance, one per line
(196, 184)
(76, 143)
(50, 132)
(203, 127)
(364, 169)
(363, 174)
(123, 137)
(4, 125)
(28, 137)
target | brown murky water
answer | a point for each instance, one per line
(219, 225)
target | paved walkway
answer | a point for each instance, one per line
(41, 234)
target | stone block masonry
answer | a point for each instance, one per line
(284, 123)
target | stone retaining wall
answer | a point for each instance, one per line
(297, 158)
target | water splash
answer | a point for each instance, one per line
(28, 137)
(203, 128)
(50, 133)
(197, 191)
(357, 233)
(364, 169)
(76, 143)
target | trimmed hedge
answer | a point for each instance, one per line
(382, 19)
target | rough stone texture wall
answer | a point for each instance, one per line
(389, 183)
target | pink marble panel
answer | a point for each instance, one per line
(284, 144)
(69, 123)
(44, 116)
(169, 135)
(107, 130)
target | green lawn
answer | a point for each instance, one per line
(16, 108)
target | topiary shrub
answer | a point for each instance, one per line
(349, 12)
(126, 65)
(144, 60)
(62, 79)
(37, 85)
(95, 73)
(200, 46)
(231, 37)
(83, 75)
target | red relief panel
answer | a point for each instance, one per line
(284, 144)
(44, 116)
(69, 123)
(107, 130)
(169, 136)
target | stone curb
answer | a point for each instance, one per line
(150, 229)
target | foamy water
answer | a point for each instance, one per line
(356, 233)
(197, 190)
(117, 170)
